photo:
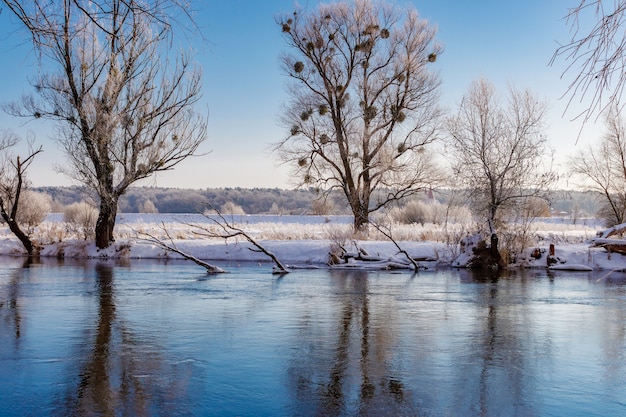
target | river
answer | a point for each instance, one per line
(147, 338)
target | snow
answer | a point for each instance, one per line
(571, 267)
(306, 241)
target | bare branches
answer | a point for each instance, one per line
(596, 55)
(386, 231)
(171, 247)
(603, 168)
(225, 230)
(230, 231)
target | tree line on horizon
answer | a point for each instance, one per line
(572, 204)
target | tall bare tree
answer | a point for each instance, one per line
(596, 55)
(13, 184)
(603, 166)
(498, 150)
(363, 101)
(122, 100)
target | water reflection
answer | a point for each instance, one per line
(97, 338)
(500, 353)
(119, 374)
(10, 308)
(349, 372)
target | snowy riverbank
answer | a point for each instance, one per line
(307, 241)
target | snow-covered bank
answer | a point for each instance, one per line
(307, 240)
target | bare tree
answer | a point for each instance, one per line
(123, 105)
(363, 102)
(596, 55)
(13, 184)
(603, 166)
(498, 151)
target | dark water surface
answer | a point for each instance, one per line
(154, 339)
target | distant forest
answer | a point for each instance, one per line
(273, 200)
(178, 200)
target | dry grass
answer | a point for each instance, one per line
(50, 232)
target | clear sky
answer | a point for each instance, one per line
(506, 42)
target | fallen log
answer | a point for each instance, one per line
(611, 245)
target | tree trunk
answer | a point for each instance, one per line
(106, 221)
(495, 253)
(28, 244)
(30, 247)
(361, 217)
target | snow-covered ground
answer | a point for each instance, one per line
(308, 240)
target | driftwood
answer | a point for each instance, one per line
(388, 235)
(171, 247)
(617, 229)
(231, 231)
(612, 245)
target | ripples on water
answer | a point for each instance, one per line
(155, 339)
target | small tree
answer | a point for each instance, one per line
(13, 185)
(363, 102)
(33, 209)
(498, 152)
(603, 167)
(123, 106)
(148, 207)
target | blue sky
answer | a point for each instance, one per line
(505, 42)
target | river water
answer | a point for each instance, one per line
(152, 339)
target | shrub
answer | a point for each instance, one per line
(322, 206)
(81, 219)
(231, 208)
(423, 212)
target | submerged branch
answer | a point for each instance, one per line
(231, 231)
(211, 269)
(387, 233)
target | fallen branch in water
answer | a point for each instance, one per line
(385, 231)
(171, 247)
(230, 231)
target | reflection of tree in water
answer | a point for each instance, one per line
(492, 379)
(613, 325)
(350, 373)
(119, 375)
(10, 317)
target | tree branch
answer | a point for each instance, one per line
(171, 247)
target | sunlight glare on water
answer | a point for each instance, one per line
(148, 338)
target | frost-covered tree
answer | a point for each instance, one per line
(498, 151)
(148, 207)
(603, 168)
(13, 186)
(363, 101)
(33, 209)
(597, 54)
(121, 99)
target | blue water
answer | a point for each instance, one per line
(153, 339)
